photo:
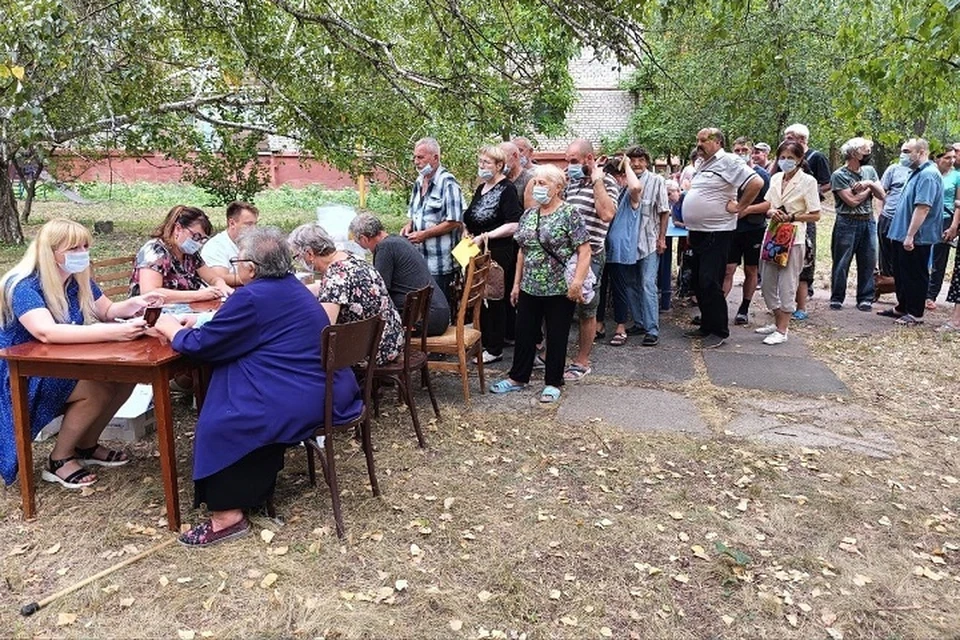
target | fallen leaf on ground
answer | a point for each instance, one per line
(267, 536)
(484, 595)
(835, 634)
(65, 619)
(126, 603)
(268, 580)
(447, 503)
(682, 578)
(401, 585)
(456, 625)
(52, 550)
(728, 620)
(415, 550)
(570, 621)
(164, 581)
(19, 550)
(861, 580)
(676, 515)
(186, 634)
(828, 617)
(280, 551)
(606, 632)
(554, 594)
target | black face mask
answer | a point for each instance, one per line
(865, 159)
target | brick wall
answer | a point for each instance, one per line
(601, 107)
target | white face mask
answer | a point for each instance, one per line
(426, 170)
(76, 261)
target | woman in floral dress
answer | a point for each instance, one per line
(170, 263)
(349, 289)
(549, 235)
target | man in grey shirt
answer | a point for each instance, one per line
(402, 267)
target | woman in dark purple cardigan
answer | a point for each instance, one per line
(267, 388)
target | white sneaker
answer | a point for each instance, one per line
(489, 357)
(775, 338)
(766, 329)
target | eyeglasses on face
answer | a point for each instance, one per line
(235, 261)
(199, 237)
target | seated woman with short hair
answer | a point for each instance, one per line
(267, 388)
(350, 289)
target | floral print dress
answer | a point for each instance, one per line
(561, 232)
(361, 293)
(178, 275)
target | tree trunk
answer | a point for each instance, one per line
(30, 188)
(10, 230)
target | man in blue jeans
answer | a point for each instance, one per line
(854, 185)
(651, 242)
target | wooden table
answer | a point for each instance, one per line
(145, 360)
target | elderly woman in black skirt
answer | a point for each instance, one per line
(267, 388)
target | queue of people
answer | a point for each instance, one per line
(553, 232)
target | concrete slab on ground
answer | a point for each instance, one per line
(795, 375)
(631, 408)
(778, 429)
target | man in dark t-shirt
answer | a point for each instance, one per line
(748, 236)
(402, 267)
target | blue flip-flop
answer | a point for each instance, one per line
(505, 386)
(550, 393)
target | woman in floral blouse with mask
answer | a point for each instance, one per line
(170, 263)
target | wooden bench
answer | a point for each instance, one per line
(112, 275)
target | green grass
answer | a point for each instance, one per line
(137, 209)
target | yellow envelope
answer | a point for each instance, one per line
(464, 251)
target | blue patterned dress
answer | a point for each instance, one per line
(47, 396)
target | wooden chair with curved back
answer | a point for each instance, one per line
(416, 309)
(112, 275)
(343, 346)
(461, 340)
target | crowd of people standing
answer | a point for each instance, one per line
(554, 231)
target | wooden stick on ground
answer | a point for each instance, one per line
(33, 607)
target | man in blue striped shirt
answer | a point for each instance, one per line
(436, 212)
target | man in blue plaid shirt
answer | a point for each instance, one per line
(436, 213)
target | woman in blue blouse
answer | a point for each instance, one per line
(267, 388)
(49, 296)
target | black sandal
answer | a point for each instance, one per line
(113, 459)
(70, 482)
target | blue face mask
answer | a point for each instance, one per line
(426, 170)
(905, 160)
(190, 246)
(484, 174)
(541, 194)
(787, 164)
(76, 261)
(575, 172)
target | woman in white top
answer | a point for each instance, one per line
(794, 199)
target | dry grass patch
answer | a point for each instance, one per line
(508, 525)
